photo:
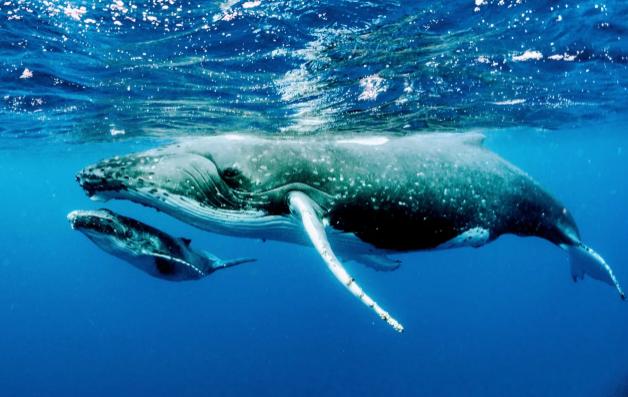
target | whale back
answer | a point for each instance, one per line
(405, 193)
(400, 193)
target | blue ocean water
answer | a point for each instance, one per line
(80, 81)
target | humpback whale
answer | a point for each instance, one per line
(148, 249)
(351, 197)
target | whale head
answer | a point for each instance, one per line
(212, 183)
(156, 174)
(98, 224)
(106, 229)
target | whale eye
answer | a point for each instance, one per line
(231, 173)
(233, 177)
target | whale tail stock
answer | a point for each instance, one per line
(232, 262)
(215, 263)
(585, 261)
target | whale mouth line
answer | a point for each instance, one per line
(203, 199)
(242, 222)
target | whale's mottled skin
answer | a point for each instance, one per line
(362, 197)
(404, 194)
(149, 249)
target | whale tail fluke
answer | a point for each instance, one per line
(585, 261)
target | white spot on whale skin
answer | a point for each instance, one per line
(474, 237)
(371, 141)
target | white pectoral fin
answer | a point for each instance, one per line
(585, 260)
(307, 211)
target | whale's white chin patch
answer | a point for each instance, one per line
(102, 196)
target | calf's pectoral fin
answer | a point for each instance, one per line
(585, 260)
(308, 212)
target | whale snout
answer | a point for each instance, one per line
(100, 180)
(158, 179)
(101, 221)
(89, 182)
(86, 218)
(80, 220)
(72, 217)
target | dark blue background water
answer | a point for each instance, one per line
(505, 319)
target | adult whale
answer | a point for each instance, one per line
(357, 198)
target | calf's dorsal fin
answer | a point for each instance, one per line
(473, 138)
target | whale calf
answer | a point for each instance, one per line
(149, 249)
(351, 197)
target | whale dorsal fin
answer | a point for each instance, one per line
(473, 138)
(308, 212)
(186, 241)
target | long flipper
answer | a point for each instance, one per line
(306, 209)
(585, 260)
